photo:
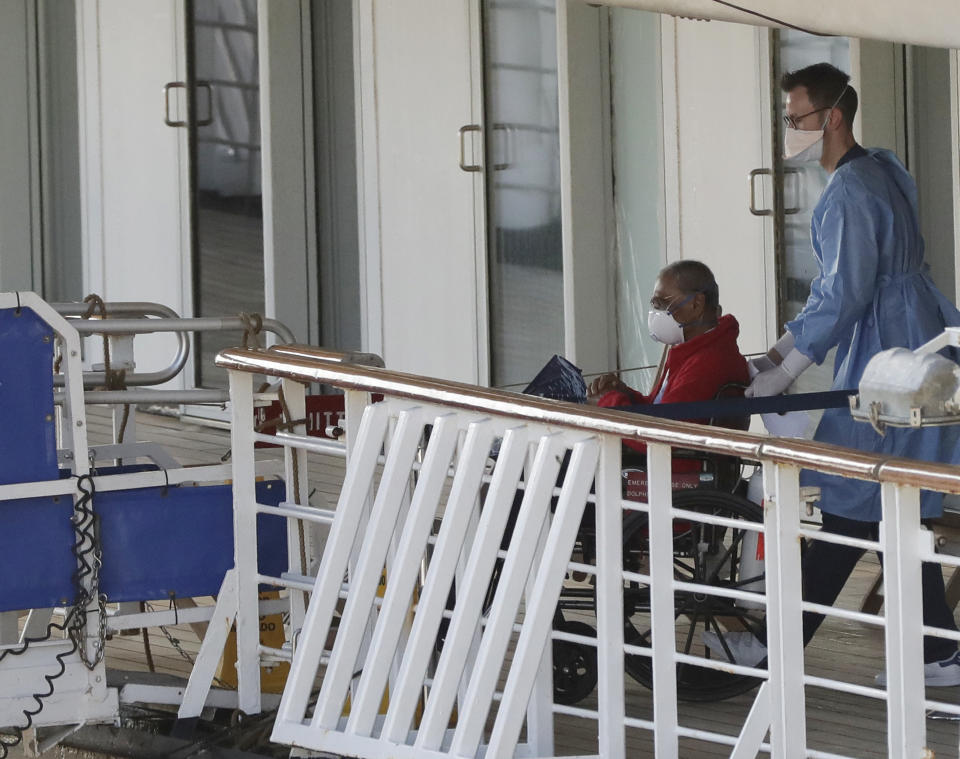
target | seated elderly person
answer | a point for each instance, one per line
(685, 314)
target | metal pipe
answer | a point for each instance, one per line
(801, 453)
(136, 322)
(140, 309)
(180, 324)
(297, 350)
(142, 395)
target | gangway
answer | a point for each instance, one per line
(81, 522)
(434, 667)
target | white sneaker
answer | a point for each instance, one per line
(745, 647)
(937, 674)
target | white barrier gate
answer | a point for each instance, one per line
(395, 539)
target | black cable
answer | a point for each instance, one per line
(771, 19)
(74, 622)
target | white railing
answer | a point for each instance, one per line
(434, 663)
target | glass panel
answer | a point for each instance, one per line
(523, 185)
(635, 93)
(228, 217)
(336, 172)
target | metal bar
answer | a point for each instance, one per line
(180, 324)
(942, 706)
(313, 444)
(903, 610)
(844, 687)
(755, 726)
(841, 540)
(712, 737)
(661, 601)
(574, 711)
(201, 676)
(736, 524)
(143, 396)
(609, 592)
(716, 590)
(784, 615)
(720, 666)
(123, 308)
(185, 616)
(278, 654)
(642, 724)
(804, 454)
(298, 350)
(245, 543)
(287, 580)
(941, 632)
(293, 511)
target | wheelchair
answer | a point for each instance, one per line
(704, 553)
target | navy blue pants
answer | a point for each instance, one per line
(827, 566)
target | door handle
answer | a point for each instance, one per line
(464, 166)
(170, 86)
(798, 172)
(754, 173)
(167, 88)
(507, 130)
(208, 119)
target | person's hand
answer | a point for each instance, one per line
(771, 382)
(757, 365)
(603, 385)
(772, 358)
(775, 381)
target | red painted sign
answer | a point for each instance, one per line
(323, 411)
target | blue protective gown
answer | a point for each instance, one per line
(872, 292)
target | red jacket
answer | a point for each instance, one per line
(695, 371)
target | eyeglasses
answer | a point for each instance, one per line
(670, 304)
(792, 121)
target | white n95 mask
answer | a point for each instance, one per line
(663, 327)
(803, 144)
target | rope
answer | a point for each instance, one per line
(726, 407)
(252, 326)
(147, 651)
(113, 379)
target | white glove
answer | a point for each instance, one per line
(784, 345)
(759, 364)
(775, 381)
(764, 363)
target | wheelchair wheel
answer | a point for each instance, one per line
(706, 554)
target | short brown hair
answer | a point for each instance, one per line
(825, 85)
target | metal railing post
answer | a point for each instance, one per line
(609, 516)
(901, 536)
(788, 730)
(245, 543)
(660, 497)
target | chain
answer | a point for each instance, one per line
(88, 551)
(175, 642)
